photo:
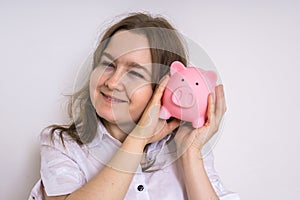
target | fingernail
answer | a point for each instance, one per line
(212, 96)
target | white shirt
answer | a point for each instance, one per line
(66, 169)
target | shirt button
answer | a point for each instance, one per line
(140, 188)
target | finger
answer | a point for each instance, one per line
(210, 109)
(165, 129)
(173, 124)
(160, 89)
(220, 102)
(168, 127)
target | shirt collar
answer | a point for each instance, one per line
(101, 133)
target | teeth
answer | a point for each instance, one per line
(112, 99)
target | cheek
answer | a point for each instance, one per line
(96, 79)
(97, 76)
(141, 97)
(138, 105)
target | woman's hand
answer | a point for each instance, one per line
(188, 138)
(150, 127)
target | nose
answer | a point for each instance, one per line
(114, 81)
(183, 97)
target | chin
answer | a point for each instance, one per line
(123, 123)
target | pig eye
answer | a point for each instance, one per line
(182, 79)
(197, 83)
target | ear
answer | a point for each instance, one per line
(212, 76)
(176, 66)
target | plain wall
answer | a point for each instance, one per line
(254, 45)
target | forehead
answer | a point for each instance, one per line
(126, 42)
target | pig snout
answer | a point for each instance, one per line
(183, 97)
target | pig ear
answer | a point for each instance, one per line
(176, 66)
(212, 76)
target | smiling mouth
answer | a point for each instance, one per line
(111, 99)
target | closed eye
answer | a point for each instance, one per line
(108, 66)
(136, 74)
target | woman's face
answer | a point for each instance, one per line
(120, 86)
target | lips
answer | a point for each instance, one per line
(111, 99)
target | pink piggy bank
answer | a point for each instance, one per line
(186, 93)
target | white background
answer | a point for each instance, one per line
(255, 47)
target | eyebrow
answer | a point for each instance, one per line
(108, 55)
(130, 64)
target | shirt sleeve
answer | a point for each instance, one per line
(215, 180)
(60, 173)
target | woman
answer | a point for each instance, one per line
(116, 146)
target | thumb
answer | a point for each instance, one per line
(160, 89)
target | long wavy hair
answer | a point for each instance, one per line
(166, 46)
